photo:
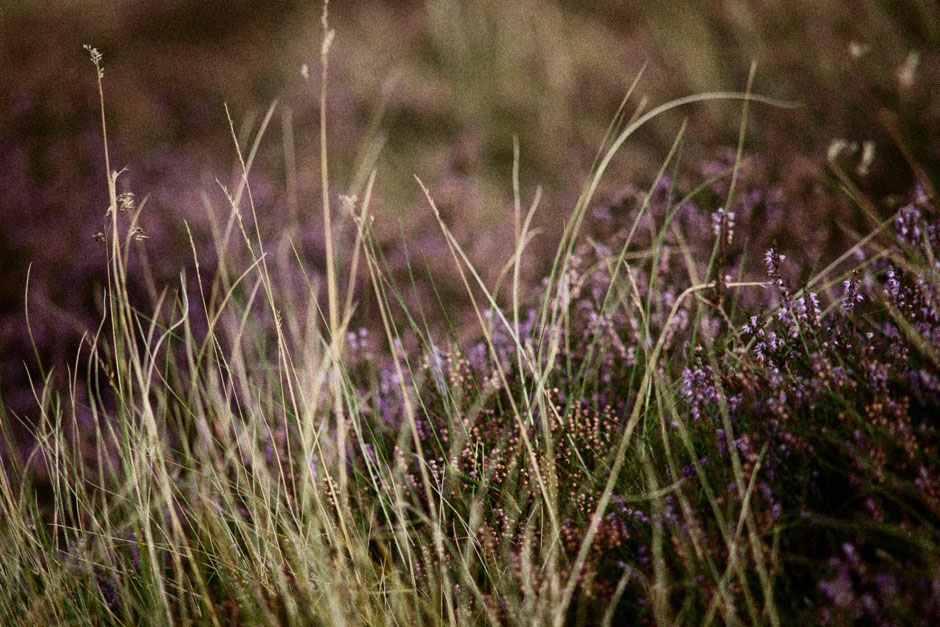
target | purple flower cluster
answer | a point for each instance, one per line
(723, 225)
(861, 587)
(827, 392)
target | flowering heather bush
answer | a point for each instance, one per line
(637, 447)
(830, 426)
(706, 411)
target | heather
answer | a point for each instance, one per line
(690, 391)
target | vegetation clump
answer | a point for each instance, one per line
(678, 424)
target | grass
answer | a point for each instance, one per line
(678, 425)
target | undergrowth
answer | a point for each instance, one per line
(672, 428)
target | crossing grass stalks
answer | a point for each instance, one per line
(641, 440)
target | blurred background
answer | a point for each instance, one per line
(439, 89)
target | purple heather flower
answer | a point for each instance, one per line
(772, 261)
(907, 225)
(785, 315)
(750, 327)
(851, 296)
(698, 387)
(723, 222)
(110, 594)
(839, 590)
